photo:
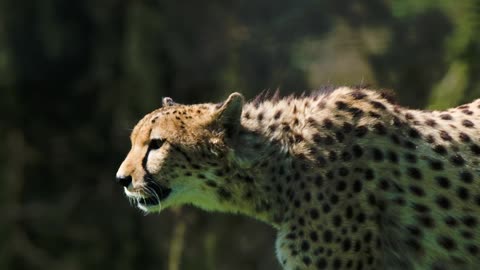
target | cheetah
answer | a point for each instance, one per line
(348, 178)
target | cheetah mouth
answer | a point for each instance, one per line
(153, 196)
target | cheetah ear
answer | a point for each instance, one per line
(166, 102)
(229, 113)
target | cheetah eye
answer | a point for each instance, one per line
(155, 144)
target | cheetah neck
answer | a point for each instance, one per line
(284, 152)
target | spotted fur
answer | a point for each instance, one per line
(348, 178)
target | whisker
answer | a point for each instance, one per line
(154, 193)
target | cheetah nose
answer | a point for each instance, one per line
(124, 181)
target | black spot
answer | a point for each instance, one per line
(321, 161)
(443, 181)
(341, 105)
(343, 171)
(360, 131)
(421, 208)
(392, 156)
(314, 213)
(443, 202)
(307, 196)
(414, 244)
(384, 184)
(248, 179)
(372, 200)
(469, 221)
(463, 193)
(306, 260)
(397, 122)
(426, 221)
(436, 165)
(326, 208)
(430, 122)
(347, 127)
(413, 133)
(411, 157)
(346, 156)
(317, 138)
(337, 221)
(378, 105)
(377, 154)
(314, 236)
(337, 263)
(440, 149)
(356, 112)
(450, 221)
(467, 234)
(260, 117)
(340, 137)
(446, 116)
(409, 145)
(328, 140)
(414, 173)
(388, 95)
(475, 149)
(273, 127)
(332, 156)
(211, 183)
(223, 193)
(297, 204)
(349, 212)
(360, 218)
(358, 95)
(318, 180)
(380, 129)
(395, 139)
(467, 123)
(357, 186)
(327, 236)
(472, 249)
(369, 175)
(346, 244)
(446, 242)
(357, 151)
(327, 123)
(464, 137)
(322, 263)
(445, 136)
(466, 177)
(430, 139)
(416, 190)
(333, 199)
(305, 246)
(277, 114)
(457, 160)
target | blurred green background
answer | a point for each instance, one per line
(75, 76)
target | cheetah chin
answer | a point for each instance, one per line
(151, 202)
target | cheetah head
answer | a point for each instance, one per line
(179, 153)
